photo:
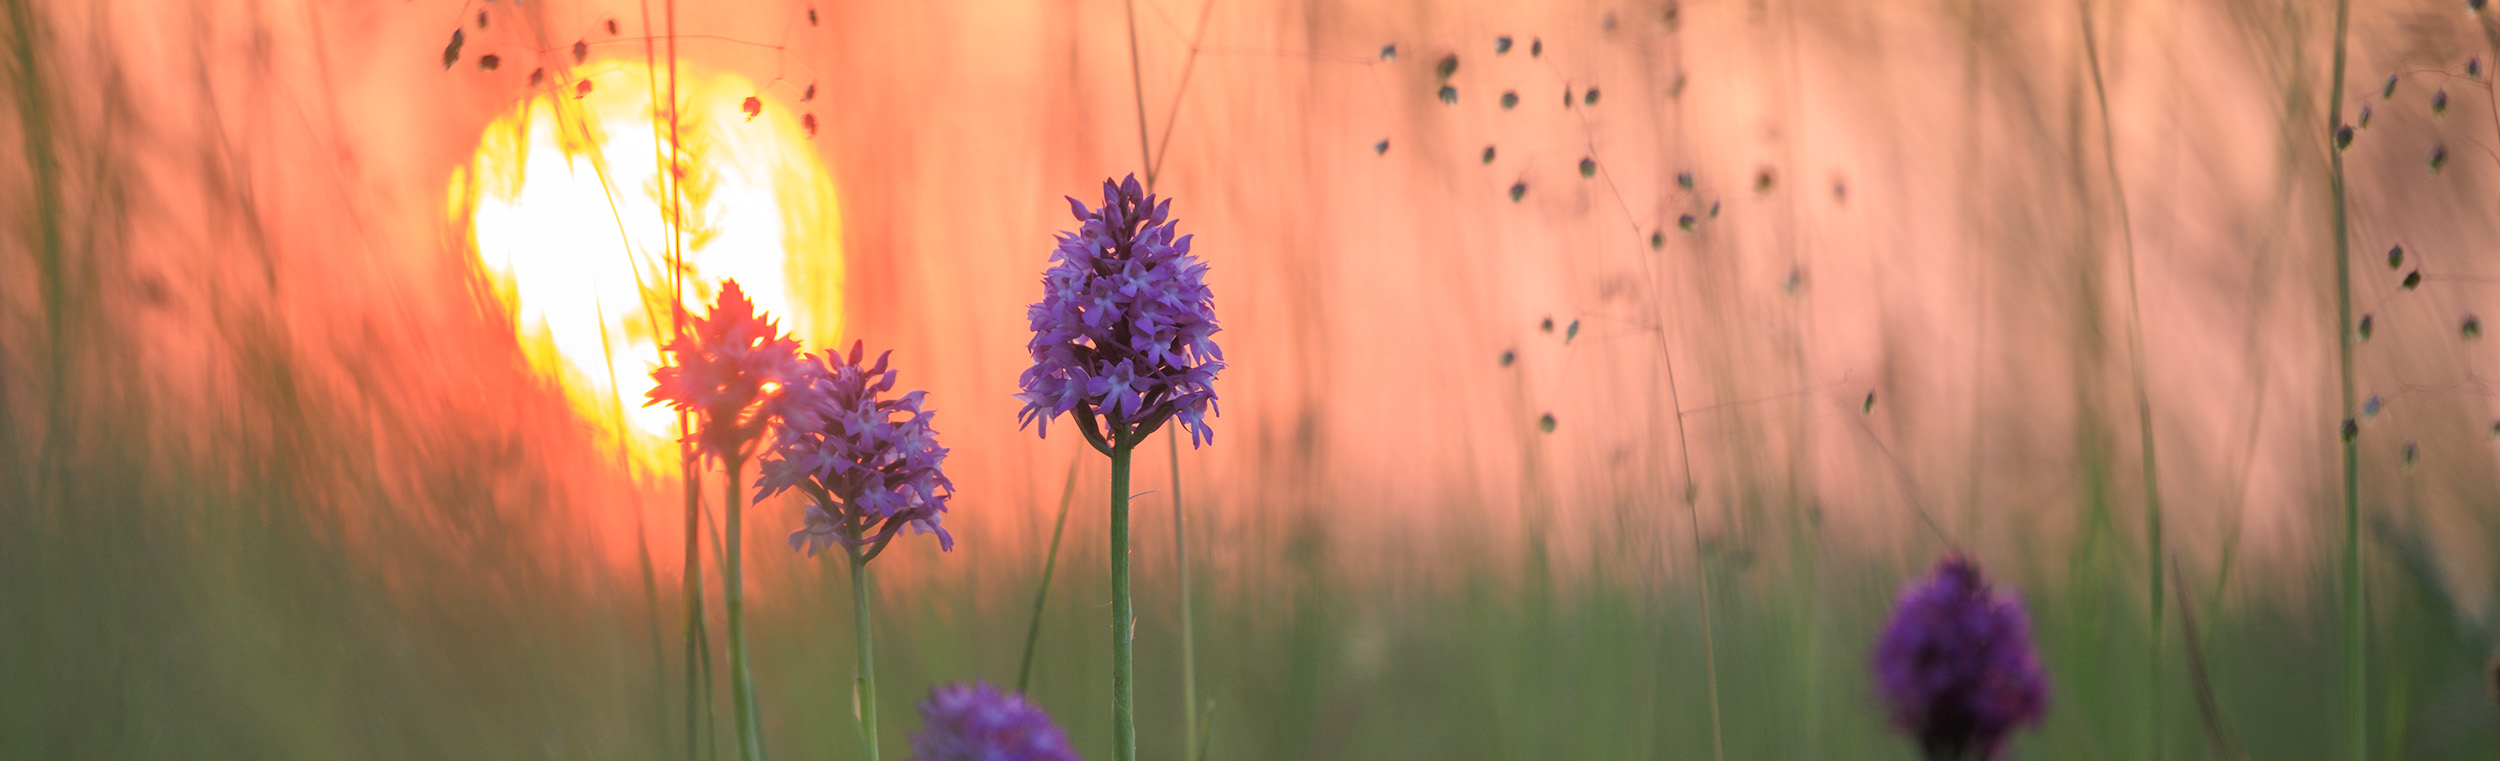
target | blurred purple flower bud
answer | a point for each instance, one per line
(1956, 662)
(977, 722)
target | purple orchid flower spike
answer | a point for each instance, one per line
(1124, 336)
(870, 464)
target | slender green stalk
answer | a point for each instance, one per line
(691, 581)
(1124, 621)
(1968, 177)
(1206, 720)
(1189, 654)
(1050, 565)
(1123, 613)
(642, 533)
(659, 653)
(1709, 628)
(733, 601)
(43, 167)
(2143, 403)
(1137, 80)
(703, 639)
(2356, 601)
(1692, 513)
(864, 685)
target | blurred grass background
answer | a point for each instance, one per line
(278, 485)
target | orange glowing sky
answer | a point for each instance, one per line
(1908, 203)
(565, 203)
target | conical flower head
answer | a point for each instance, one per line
(1957, 663)
(1125, 330)
(976, 722)
(720, 367)
(870, 464)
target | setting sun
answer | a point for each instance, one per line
(564, 204)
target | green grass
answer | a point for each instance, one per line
(183, 615)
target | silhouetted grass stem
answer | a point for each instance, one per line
(733, 602)
(2356, 666)
(1189, 655)
(2143, 401)
(1041, 593)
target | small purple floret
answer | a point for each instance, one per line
(1125, 330)
(976, 722)
(869, 464)
(1958, 666)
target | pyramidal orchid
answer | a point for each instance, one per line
(1957, 664)
(724, 368)
(1123, 342)
(869, 465)
(1124, 336)
(977, 722)
(720, 370)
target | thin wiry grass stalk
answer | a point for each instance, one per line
(2217, 732)
(2143, 402)
(642, 539)
(676, 216)
(1137, 86)
(1041, 594)
(1692, 513)
(34, 118)
(659, 651)
(1804, 539)
(1206, 730)
(2356, 599)
(1968, 176)
(1172, 115)
(1180, 556)
(691, 577)
(1152, 154)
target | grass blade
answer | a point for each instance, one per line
(1041, 594)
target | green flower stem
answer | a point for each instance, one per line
(2356, 651)
(1123, 615)
(691, 583)
(864, 685)
(742, 683)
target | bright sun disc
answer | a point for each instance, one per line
(564, 207)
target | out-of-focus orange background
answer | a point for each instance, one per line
(1935, 228)
(1895, 303)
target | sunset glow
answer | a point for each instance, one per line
(1160, 380)
(564, 204)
